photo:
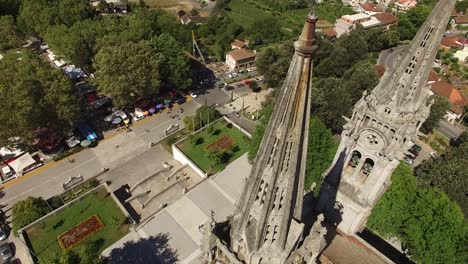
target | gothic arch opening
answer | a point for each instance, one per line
(353, 162)
(366, 169)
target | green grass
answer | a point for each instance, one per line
(43, 236)
(198, 154)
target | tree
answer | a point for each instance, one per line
(86, 254)
(33, 95)
(430, 225)
(27, 211)
(176, 73)
(128, 71)
(265, 31)
(391, 212)
(461, 6)
(438, 111)
(321, 149)
(253, 85)
(216, 156)
(448, 173)
(436, 230)
(274, 63)
(9, 37)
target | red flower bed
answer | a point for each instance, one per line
(85, 229)
(224, 143)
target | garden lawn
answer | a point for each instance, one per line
(43, 236)
(195, 148)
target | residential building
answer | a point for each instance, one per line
(404, 5)
(240, 58)
(459, 21)
(456, 42)
(454, 96)
(184, 18)
(462, 55)
(369, 8)
(347, 22)
(239, 44)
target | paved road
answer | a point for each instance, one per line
(388, 58)
(449, 130)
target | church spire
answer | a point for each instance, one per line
(405, 88)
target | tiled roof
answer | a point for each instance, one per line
(241, 54)
(461, 20)
(329, 32)
(452, 42)
(386, 18)
(371, 7)
(456, 99)
(433, 76)
(238, 43)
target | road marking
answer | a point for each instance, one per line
(55, 163)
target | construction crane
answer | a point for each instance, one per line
(196, 48)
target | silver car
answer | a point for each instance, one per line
(3, 234)
(5, 251)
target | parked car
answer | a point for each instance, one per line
(228, 88)
(3, 234)
(408, 160)
(180, 100)
(7, 172)
(193, 95)
(250, 70)
(258, 79)
(239, 85)
(414, 152)
(416, 147)
(5, 251)
(434, 154)
(236, 114)
(232, 75)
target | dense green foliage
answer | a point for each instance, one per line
(449, 173)
(33, 95)
(9, 7)
(461, 6)
(9, 37)
(274, 62)
(203, 116)
(430, 225)
(321, 149)
(27, 211)
(128, 71)
(87, 254)
(438, 111)
(410, 21)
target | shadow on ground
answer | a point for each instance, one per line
(154, 249)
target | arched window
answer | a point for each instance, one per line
(367, 166)
(355, 158)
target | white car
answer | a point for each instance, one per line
(193, 95)
(232, 75)
(250, 70)
(258, 79)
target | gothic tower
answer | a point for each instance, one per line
(266, 227)
(384, 124)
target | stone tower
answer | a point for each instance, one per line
(384, 124)
(266, 227)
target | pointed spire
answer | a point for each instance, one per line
(306, 41)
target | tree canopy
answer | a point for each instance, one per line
(274, 62)
(127, 71)
(449, 173)
(9, 37)
(33, 95)
(203, 116)
(321, 149)
(27, 211)
(438, 111)
(430, 225)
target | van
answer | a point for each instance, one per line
(7, 172)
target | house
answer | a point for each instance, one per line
(184, 18)
(453, 42)
(369, 8)
(454, 96)
(239, 44)
(459, 21)
(462, 55)
(330, 32)
(404, 5)
(240, 58)
(111, 6)
(347, 22)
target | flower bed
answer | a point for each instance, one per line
(85, 229)
(224, 143)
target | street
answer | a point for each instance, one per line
(449, 130)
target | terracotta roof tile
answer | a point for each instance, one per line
(371, 7)
(386, 18)
(242, 54)
(453, 42)
(380, 69)
(456, 99)
(461, 20)
(238, 43)
(329, 32)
